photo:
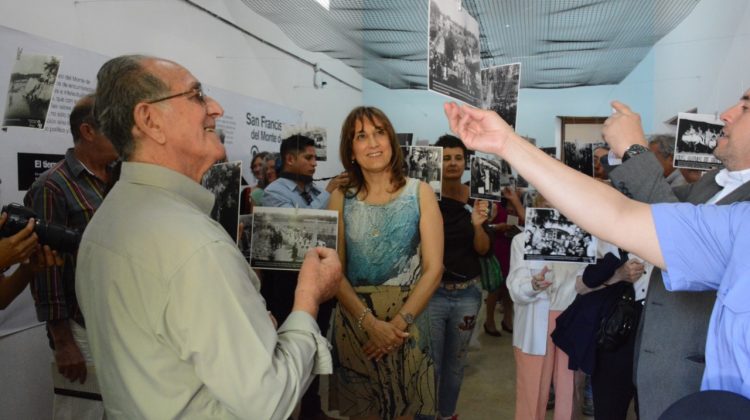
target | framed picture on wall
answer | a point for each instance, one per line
(575, 136)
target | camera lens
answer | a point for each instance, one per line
(58, 237)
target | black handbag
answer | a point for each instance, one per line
(619, 320)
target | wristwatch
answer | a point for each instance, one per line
(409, 318)
(633, 150)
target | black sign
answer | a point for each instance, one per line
(31, 165)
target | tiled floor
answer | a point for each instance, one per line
(488, 391)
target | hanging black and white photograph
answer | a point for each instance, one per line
(282, 236)
(224, 180)
(469, 155)
(697, 136)
(425, 163)
(318, 134)
(550, 236)
(500, 86)
(246, 235)
(453, 57)
(32, 82)
(489, 175)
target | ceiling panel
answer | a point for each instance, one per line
(560, 43)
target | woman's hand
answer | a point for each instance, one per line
(538, 282)
(384, 338)
(19, 247)
(480, 213)
(631, 271)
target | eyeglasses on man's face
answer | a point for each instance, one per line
(196, 92)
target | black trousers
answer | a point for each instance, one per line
(612, 381)
(278, 290)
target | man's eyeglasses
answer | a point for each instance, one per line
(194, 92)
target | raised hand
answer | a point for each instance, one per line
(318, 280)
(320, 274)
(479, 129)
(623, 129)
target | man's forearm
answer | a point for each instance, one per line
(590, 204)
(60, 331)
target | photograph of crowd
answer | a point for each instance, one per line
(489, 174)
(697, 135)
(32, 82)
(500, 86)
(453, 58)
(224, 179)
(424, 163)
(550, 236)
(282, 236)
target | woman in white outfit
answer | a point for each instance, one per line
(540, 292)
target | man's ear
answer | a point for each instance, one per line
(149, 122)
(88, 132)
(290, 158)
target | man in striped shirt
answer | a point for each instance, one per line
(68, 194)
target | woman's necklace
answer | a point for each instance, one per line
(374, 229)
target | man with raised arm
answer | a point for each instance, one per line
(698, 247)
(672, 333)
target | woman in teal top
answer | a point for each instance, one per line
(391, 240)
(382, 240)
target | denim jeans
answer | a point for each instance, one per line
(453, 315)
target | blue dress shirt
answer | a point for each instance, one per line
(706, 248)
(286, 193)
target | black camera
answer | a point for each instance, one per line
(58, 237)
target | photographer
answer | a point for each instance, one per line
(68, 194)
(21, 248)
